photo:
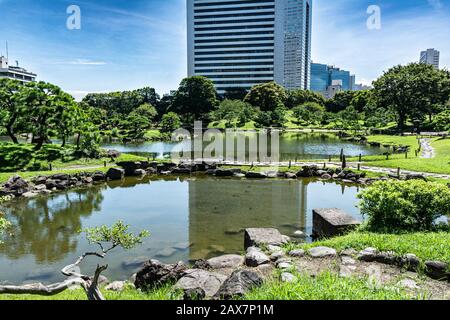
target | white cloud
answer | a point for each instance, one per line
(85, 62)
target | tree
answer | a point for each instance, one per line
(441, 121)
(310, 112)
(234, 112)
(412, 91)
(267, 96)
(11, 107)
(362, 100)
(299, 97)
(45, 103)
(195, 98)
(107, 239)
(146, 111)
(170, 122)
(340, 101)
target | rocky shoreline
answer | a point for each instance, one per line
(44, 185)
(232, 276)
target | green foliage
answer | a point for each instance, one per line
(147, 111)
(441, 121)
(235, 94)
(299, 97)
(398, 206)
(340, 101)
(412, 91)
(309, 113)
(11, 108)
(195, 98)
(325, 286)
(4, 224)
(267, 96)
(234, 112)
(170, 122)
(117, 235)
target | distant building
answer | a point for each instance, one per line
(328, 80)
(241, 43)
(15, 72)
(430, 56)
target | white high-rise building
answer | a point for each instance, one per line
(430, 56)
(15, 72)
(240, 43)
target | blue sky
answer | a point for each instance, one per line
(131, 44)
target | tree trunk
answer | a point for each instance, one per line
(10, 130)
(78, 140)
(63, 144)
(39, 144)
(40, 289)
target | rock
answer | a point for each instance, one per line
(298, 253)
(86, 180)
(115, 174)
(416, 177)
(61, 176)
(40, 187)
(155, 273)
(308, 172)
(209, 282)
(263, 236)
(276, 255)
(223, 173)
(368, 255)
(346, 260)
(226, 261)
(288, 277)
(285, 239)
(182, 246)
(332, 222)
(62, 184)
(436, 270)
(134, 263)
(30, 194)
(16, 186)
(139, 173)
(117, 286)
(387, 258)
(326, 176)
(194, 294)
(266, 270)
(290, 175)
(98, 176)
(255, 175)
(130, 167)
(271, 174)
(238, 284)
(284, 266)
(349, 252)
(411, 262)
(322, 252)
(255, 257)
(165, 253)
(300, 234)
(408, 284)
(182, 171)
(113, 154)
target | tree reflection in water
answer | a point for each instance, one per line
(47, 227)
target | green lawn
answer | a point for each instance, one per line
(325, 286)
(439, 164)
(426, 246)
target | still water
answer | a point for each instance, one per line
(189, 219)
(292, 146)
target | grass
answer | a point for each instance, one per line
(326, 286)
(426, 246)
(439, 164)
(160, 294)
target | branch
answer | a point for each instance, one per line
(40, 289)
(70, 273)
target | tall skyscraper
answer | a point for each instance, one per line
(430, 56)
(240, 43)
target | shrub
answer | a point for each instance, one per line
(399, 206)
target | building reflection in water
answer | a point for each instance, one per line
(219, 212)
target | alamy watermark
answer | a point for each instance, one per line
(74, 20)
(229, 146)
(374, 20)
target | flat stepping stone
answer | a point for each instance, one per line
(209, 282)
(332, 222)
(322, 252)
(255, 237)
(226, 261)
(288, 277)
(299, 253)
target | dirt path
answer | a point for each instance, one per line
(427, 149)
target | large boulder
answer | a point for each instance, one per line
(224, 173)
(226, 261)
(308, 172)
(130, 167)
(154, 273)
(255, 175)
(209, 282)
(99, 176)
(115, 174)
(332, 222)
(437, 270)
(255, 237)
(238, 284)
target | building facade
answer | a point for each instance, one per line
(15, 72)
(430, 56)
(241, 43)
(328, 80)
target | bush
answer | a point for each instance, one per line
(399, 206)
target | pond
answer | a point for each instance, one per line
(300, 146)
(189, 219)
